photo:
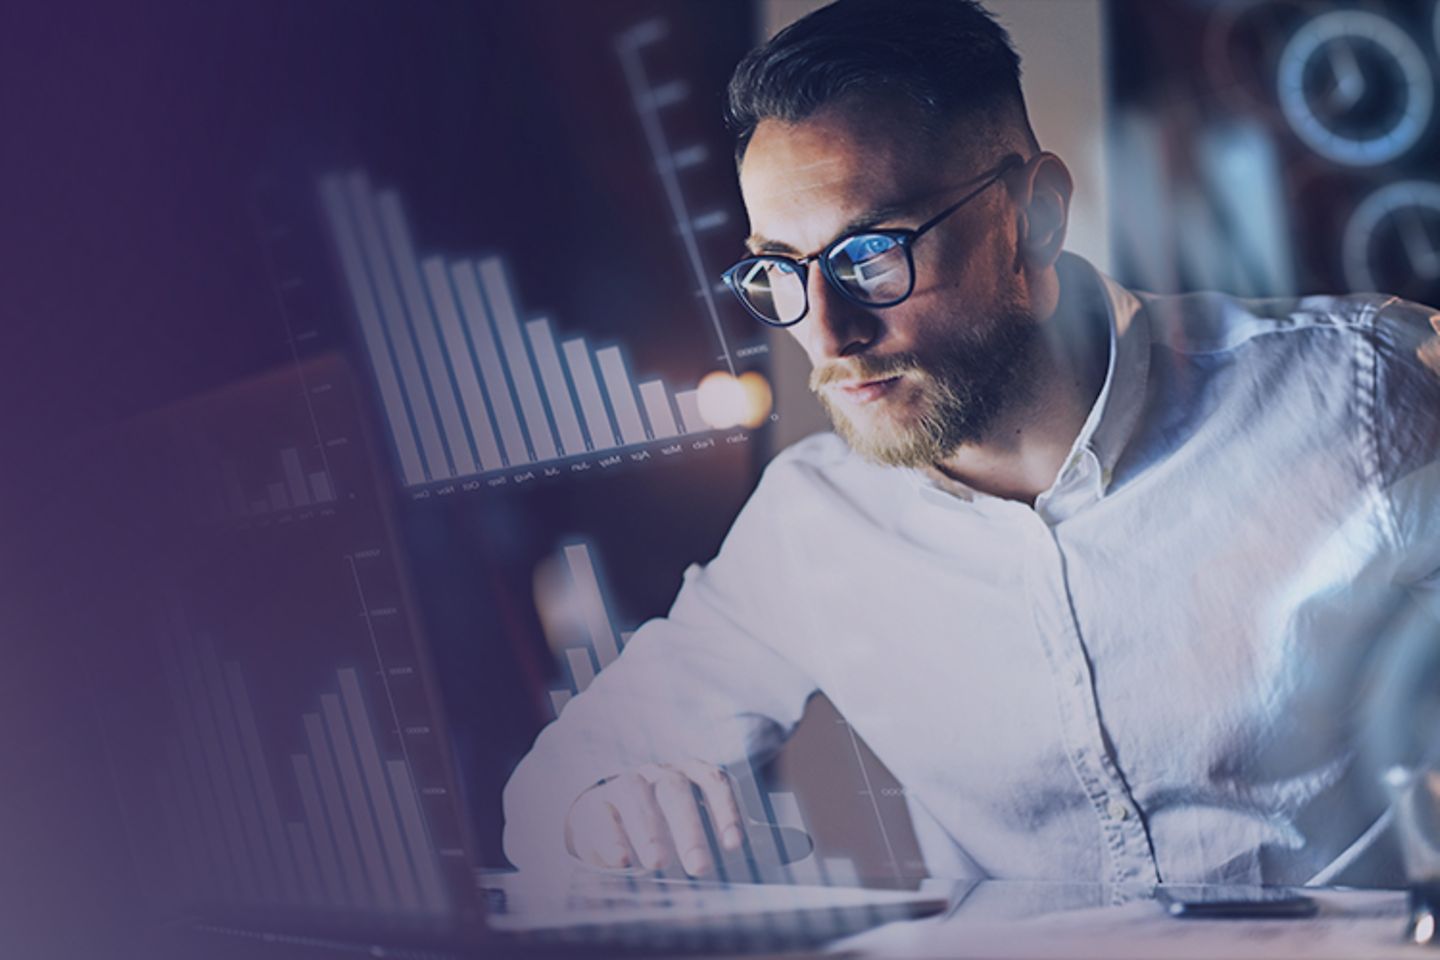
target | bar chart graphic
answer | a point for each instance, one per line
(355, 837)
(467, 385)
(281, 446)
(763, 861)
(294, 487)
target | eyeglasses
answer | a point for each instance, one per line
(874, 268)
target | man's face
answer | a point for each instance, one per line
(904, 385)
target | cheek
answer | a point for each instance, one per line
(800, 333)
(789, 298)
(973, 295)
(976, 268)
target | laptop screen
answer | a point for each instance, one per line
(279, 745)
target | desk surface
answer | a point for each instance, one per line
(1015, 919)
(999, 919)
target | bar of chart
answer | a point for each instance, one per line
(284, 445)
(764, 861)
(356, 839)
(467, 384)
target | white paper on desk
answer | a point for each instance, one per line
(1350, 924)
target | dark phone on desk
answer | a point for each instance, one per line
(1233, 902)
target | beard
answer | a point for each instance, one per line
(959, 386)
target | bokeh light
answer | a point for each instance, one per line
(728, 401)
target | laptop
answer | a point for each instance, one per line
(282, 751)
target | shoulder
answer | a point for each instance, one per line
(1207, 322)
(819, 451)
(1405, 385)
(1376, 354)
(825, 458)
(819, 474)
(1406, 339)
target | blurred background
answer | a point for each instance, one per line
(366, 380)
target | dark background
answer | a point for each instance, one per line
(157, 174)
(149, 154)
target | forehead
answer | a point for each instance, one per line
(803, 181)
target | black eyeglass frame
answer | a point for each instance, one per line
(904, 237)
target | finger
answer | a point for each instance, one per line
(597, 836)
(644, 824)
(675, 795)
(719, 794)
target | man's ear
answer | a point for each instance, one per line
(1042, 192)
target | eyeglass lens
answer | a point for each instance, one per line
(872, 268)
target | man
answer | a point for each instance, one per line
(1093, 572)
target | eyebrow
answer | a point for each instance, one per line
(755, 243)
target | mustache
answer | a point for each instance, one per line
(860, 369)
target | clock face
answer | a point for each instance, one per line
(1355, 88)
(1242, 45)
(1392, 242)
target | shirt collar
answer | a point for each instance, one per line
(1116, 411)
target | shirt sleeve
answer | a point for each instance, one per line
(1400, 695)
(1407, 390)
(709, 681)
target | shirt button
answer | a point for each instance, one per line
(1117, 810)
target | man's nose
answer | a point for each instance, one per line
(834, 326)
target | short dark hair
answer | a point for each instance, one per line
(950, 58)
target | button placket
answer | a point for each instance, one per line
(1128, 847)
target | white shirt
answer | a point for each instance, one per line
(1152, 673)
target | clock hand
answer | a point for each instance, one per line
(1349, 78)
(1420, 251)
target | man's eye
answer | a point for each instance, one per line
(867, 248)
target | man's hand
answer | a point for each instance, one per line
(649, 817)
